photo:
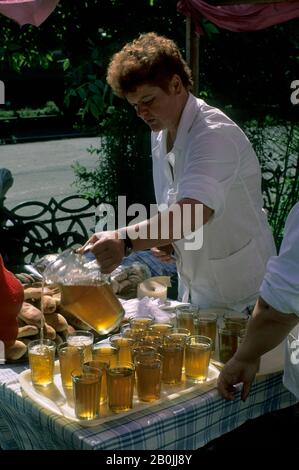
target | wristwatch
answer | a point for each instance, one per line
(128, 245)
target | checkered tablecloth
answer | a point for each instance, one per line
(185, 423)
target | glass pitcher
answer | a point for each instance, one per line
(85, 291)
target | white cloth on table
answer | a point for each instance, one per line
(213, 162)
(149, 306)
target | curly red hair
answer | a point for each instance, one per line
(149, 59)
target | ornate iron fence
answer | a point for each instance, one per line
(33, 229)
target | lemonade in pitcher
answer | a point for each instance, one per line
(85, 292)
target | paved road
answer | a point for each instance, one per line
(43, 169)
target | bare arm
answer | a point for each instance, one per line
(266, 329)
(170, 225)
(173, 224)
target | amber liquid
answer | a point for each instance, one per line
(173, 357)
(102, 366)
(155, 341)
(185, 320)
(236, 325)
(125, 346)
(83, 343)
(197, 359)
(148, 379)
(86, 396)
(107, 355)
(182, 339)
(69, 359)
(120, 381)
(141, 323)
(207, 328)
(160, 328)
(41, 361)
(95, 305)
(228, 345)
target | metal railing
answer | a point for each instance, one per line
(33, 229)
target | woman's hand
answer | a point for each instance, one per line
(235, 372)
(108, 249)
(165, 253)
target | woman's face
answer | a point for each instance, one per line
(157, 108)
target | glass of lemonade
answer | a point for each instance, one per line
(120, 382)
(142, 322)
(148, 374)
(185, 315)
(197, 357)
(41, 361)
(125, 347)
(70, 358)
(160, 328)
(206, 325)
(102, 366)
(86, 391)
(105, 353)
(228, 343)
(235, 320)
(84, 340)
(172, 352)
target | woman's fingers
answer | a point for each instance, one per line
(88, 245)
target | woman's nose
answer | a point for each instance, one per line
(141, 110)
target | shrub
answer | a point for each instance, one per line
(276, 143)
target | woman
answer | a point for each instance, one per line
(203, 165)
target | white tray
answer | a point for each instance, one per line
(53, 398)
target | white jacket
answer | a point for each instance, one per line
(213, 162)
(280, 289)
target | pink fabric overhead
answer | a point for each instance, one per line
(239, 17)
(27, 11)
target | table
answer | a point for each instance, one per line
(186, 423)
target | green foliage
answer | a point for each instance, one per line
(85, 86)
(209, 28)
(19, 47)
(276, 143)
(250, 69)
(78, 40)
(49, 109)
(123, 165)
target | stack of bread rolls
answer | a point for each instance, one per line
(58, 322)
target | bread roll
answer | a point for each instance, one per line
(57, 321)
(27, 330)
(49, 304)
(30, 314)
(17, 350)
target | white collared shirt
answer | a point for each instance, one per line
(280, 289)
(213, 162)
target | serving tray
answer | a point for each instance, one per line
(55, 400)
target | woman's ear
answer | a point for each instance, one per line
(175, 84)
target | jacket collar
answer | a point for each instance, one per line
(188, 117)
(186, 122)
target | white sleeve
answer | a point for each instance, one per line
(280, 287)
(210, 171)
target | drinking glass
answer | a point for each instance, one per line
(41, 361)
